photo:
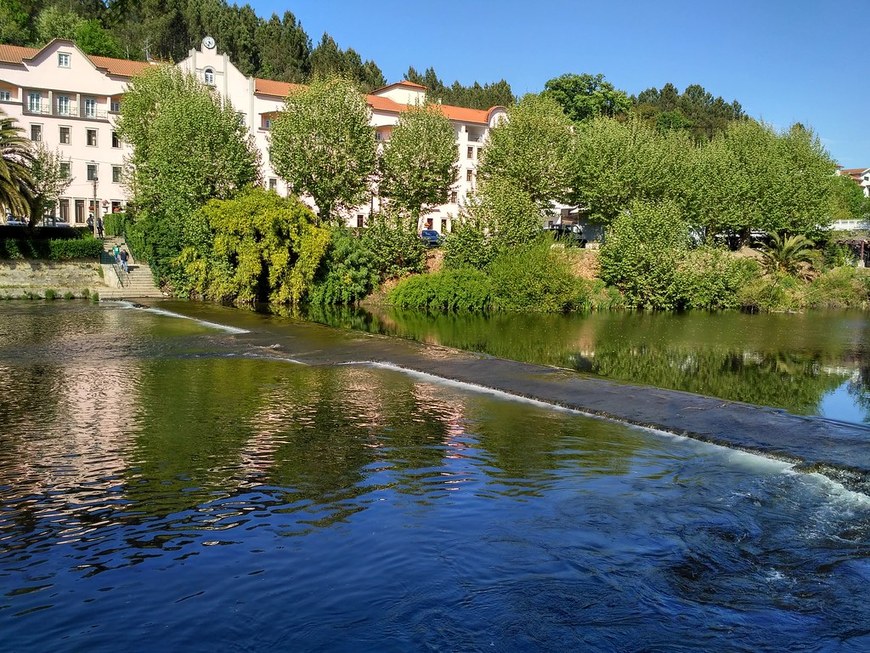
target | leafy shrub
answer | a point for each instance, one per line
(69, 295)
(95, 297)
(347, 272)
(134, 235)
(839, 288)
(64, 250)
(50, 294)
(467, 246)
(770, 293)
(115, 224)
(711, 278)
(254, 247)
(449, 290)
(639, 254)
(534, 277)
(394, 246)
(52, 250)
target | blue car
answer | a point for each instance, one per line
(431, 237)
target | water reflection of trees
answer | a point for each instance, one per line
(320, 444)
(786, 361)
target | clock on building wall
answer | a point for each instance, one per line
(208, 42)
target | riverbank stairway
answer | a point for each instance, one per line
(137, 283)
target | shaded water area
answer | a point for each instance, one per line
(816, 363)
(170, 485)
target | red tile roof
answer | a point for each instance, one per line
(271, 87)
(119, 67)
(404, 83)
(15, 53)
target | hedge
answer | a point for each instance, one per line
(52, 250)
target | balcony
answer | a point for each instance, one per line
(70, 110)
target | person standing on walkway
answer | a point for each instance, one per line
(99, 227)
(124, 257)
(116, 252)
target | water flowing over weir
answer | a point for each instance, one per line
(838, 450)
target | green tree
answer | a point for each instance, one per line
(16, 158)
(695, 110)
(284, 49)
(587, 96)
(15, 23)
(188, 147)
(785, 253)
(500, 217)
(55, 22)
(476, 96)
(322, 145)
(615, 162)
(328, 61)
(532, 149)
(92, 38)
(49, 182)
(256, 246)
(641, 251)
(419, 163)
(750, 177)
(848, 201)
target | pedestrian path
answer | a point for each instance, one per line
(137, 283)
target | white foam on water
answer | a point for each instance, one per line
(213, 325)
(834, 489)
(758, 461)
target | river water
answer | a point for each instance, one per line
(166, 486)
(816, 363)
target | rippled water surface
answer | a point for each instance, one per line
(817, 363)
(161, 488)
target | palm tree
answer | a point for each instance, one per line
(16, 157)
(785, 253)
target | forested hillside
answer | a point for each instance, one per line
(274, 48)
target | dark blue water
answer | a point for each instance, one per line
(162, 489)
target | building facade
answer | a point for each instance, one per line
(69, 102)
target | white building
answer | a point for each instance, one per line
(69, 100)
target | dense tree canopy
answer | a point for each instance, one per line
(532, 149)
(419, 163)
(694, 110)
(587, 96)
(322, 144)
(188, 147)
(475, 96)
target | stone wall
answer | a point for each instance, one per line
(18, 278)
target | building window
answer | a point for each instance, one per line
(116, 174)
(470, 153)
(63, 59)
(273, 184)
(64, 210)
(267, 123)
(208, 74)
(92, 172)
(92, 137)
(359, 221)
(63, 105)
(116, 140)
(90, 108)
(443, 225)
(453, 197)
(34, 103)
(469, 175)
(65, 136)
(115, 106)
(5, 96)
(64, 169)
(36, 133)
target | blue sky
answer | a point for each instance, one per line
(802, 60)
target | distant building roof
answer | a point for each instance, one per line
(404, 84)
(119, 67)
